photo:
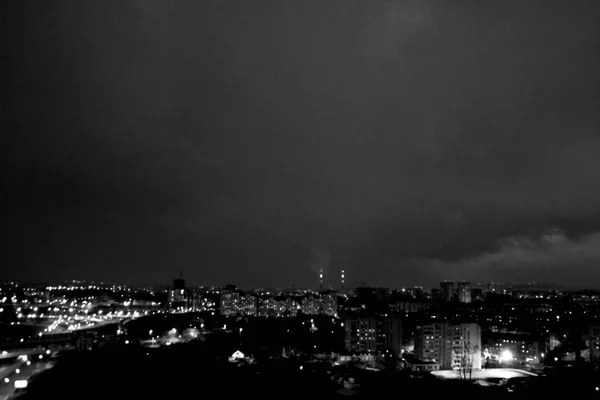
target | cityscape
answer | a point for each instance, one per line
(503, 337)
(300, 199)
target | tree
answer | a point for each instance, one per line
(465, 360)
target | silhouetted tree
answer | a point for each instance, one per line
(466, 362)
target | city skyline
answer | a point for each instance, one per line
(260, 143)
(500, 287)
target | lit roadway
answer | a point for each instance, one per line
(22, 352)
(23, 370)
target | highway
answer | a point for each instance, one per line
(22, 371)
(26, 364)
(21, 352)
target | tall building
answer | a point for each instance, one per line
(177, 294)
(194, 300)
(248, 305)
(466, 345)
(464, 292)
(267, 307)
(449, 345)
(343, 279)
(447, 290)
(433, 343)
(374, 335)
(229, 302)
(328, 303)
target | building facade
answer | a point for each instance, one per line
(449, 345)
(447, 290)
(375, 335)
(230, 300)
(464, 292)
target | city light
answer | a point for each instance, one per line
(20, 384)
(506, 356)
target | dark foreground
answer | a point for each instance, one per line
(193, 371)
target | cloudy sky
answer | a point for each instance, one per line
(254, 142)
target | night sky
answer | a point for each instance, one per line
(255, 142)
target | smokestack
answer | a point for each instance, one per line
(343, 278)
(321, 279)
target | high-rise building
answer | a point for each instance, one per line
(291, 307)
(464, 292)
(229, 302)
(310, 305)
(267, 307)
(466, 345)
(433, 343)
(447, 290)
(248, 305)
(374, 335)
(343, 279)
(328, 303)
(177, 294)
(452, 346)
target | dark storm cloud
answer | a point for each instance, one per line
(232, 139)
(548, 258)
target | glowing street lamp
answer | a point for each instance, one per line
(506, 356)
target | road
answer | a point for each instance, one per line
(20, 370)
(21, 352)
(7, 370)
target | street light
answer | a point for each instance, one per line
(506, 356)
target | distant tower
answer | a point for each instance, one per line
(177, 292)
(321, 279)
(447, 290)
(343, 278)
(464, 292)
